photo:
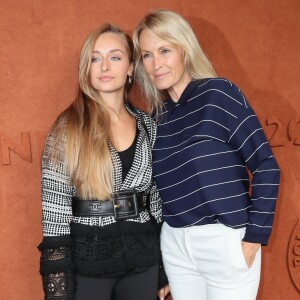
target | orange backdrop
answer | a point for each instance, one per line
(254, 43)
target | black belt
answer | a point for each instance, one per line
(124, 205)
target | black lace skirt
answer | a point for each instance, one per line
(115, 249)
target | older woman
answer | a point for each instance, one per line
(208, 137)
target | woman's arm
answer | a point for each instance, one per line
(249, 140)
(56, 265)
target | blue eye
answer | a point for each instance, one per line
(146, 55)
(165, 51)
(115, 58)
(95, 59)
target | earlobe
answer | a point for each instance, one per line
(130, 70)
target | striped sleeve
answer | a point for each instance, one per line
(248, 138)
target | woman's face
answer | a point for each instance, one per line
(110, 64)
(164, 64)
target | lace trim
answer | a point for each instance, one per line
(53, 242)
(58, 286)
(114, 250)
(56, 260)
(56, 268)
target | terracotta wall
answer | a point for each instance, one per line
(254, 43)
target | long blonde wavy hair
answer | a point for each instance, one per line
(85, 127)
(173, 28)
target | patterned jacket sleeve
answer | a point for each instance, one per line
(56, 263)
(156, 212)
(156, 204)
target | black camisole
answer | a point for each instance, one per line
(127, 156)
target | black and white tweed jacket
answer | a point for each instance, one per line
(97, 246)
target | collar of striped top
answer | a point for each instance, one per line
(170, 104)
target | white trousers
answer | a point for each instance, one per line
(207, 263)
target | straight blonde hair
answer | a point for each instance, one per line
(81, 132)
(173, 28)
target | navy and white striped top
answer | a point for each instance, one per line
(204, 143)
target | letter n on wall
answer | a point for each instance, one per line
(23, 150)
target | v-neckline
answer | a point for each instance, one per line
(119, 183)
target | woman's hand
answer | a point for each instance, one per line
(249, 251)
(163, 292)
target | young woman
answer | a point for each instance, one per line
(101, 210)
(208, 137)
